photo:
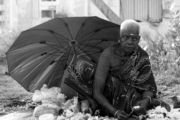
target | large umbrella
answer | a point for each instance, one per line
(41, 54)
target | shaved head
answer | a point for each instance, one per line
(130, 26)
(129, 36)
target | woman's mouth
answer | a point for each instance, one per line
(130, 47)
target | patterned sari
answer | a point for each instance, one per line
(81, 75)
(124, 84)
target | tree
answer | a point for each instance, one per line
(62, 14)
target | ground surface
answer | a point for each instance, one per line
(15, 98)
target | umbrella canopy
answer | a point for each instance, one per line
(41, 54)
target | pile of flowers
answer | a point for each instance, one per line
(160, 113)
(52, 105)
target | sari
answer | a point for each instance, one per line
(80, 76)
(124, 84)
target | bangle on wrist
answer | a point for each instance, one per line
(150, 100)
(116, 113)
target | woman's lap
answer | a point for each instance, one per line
(118, 94)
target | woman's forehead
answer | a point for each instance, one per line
(132, 31)
(130, 27)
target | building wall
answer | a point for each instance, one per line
(43, 11)
(24, 14)
(143, 10)
(149, 12)
(8, 18)
(78, 7)
(5, 16)
(94, 11)
(14, 14)
(28, 13)
(2, 11)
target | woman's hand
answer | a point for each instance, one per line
(142, 106)
(121, 115)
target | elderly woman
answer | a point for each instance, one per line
(130, 79)
(124, 84)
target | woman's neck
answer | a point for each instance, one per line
(124, 53)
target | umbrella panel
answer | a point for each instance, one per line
(41, 54)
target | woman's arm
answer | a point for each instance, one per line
(146, 77)
(102, 72)
(148, 95)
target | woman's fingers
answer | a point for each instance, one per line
(136, 108)
(97, 113)
(122, 114)
(139, 110)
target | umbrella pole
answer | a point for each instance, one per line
(73, 43)
(73, 54)
(74, 49)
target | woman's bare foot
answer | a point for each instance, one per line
(159, 102)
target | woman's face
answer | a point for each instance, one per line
(129, 40)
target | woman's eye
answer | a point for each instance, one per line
(135, 39)
(126, 37)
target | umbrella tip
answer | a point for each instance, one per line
(51, 31)
(52, 62)
(7, 73)
(65, 66)
(42, 42)
(93, 61)
(44, 53)
(104, 40)
(97, 30)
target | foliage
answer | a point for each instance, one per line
(164, 51)
(166, 4)
(6, 39)
(62, 14)
(176, 20)
(165, 60)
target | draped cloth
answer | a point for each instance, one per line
(124, 83)
(80, 76)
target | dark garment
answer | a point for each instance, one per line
(124, 83)
(81, 75)
(135, 71)
(121, 96)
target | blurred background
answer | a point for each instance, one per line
(159, 21)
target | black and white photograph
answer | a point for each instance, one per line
(89, 59)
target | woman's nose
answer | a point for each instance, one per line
(130, 40)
